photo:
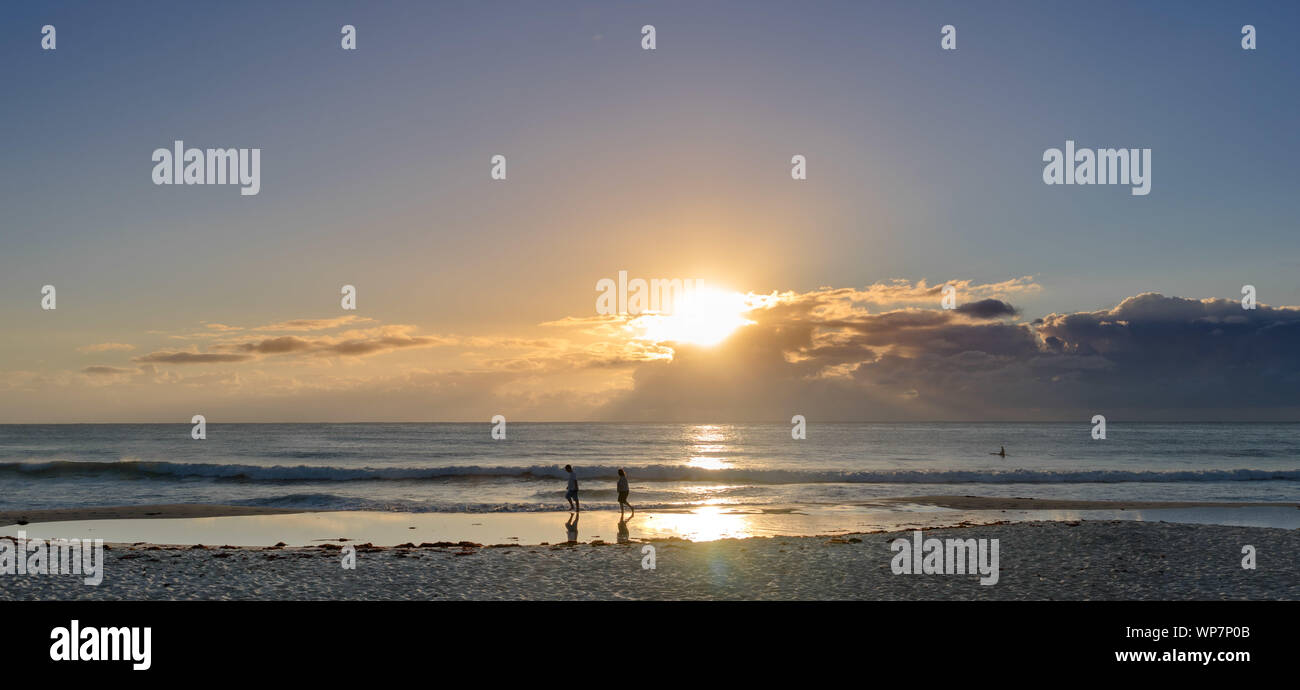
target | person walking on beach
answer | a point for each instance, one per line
(622, 494)
(571, 494)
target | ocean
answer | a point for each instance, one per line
(459, 468)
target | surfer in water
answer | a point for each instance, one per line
(1002, 451)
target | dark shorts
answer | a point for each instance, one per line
(570, 495)
(622, 497)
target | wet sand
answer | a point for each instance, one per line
(260, 527)
(967, 503)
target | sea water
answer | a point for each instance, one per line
(461, 468)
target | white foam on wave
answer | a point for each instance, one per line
(290, 473)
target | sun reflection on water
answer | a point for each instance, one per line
(705, 523)
(707, 463)
(709, 445)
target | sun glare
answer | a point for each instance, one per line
(703, 523)
(705, 317)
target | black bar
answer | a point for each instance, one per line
(536, 640)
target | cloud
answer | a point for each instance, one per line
(189, 358)
(273, 346)
(350, 344)
(1185, 352)
(899, 291)
(987, 309)
(229, 346)
(107, 371)
(105, 347)
(823, 355)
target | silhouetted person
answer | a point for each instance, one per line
(571, 494)
(622, 494)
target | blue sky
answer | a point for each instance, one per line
(923, 164)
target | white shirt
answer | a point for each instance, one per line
(573, 481)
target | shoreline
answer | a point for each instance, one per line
(164, 511)
(249, 526)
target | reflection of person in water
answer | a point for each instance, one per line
(623, 536)
(571, 525)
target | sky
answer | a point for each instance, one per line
(475, 296)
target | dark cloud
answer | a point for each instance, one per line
(99, 370)
(369, 346)
(360, 344)
(1151, 356)
(274, 346)
(987, 309)
(1185, 352)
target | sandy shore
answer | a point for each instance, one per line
(1119, 560)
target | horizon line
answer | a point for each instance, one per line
(607, 422)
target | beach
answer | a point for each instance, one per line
(1089, 560)
(1046, 550)
(737, 511)
(791, 325)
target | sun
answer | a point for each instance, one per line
(705, 317)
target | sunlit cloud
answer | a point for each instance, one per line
(163, 357)
(105, 347)
(825, 353)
